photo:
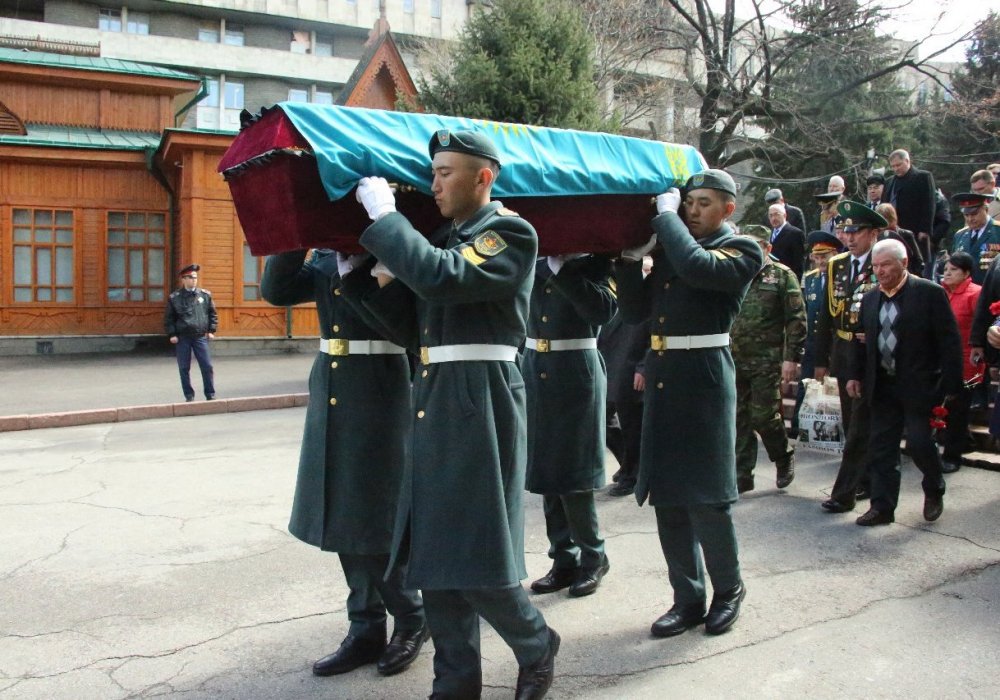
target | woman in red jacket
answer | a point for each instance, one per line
(963, 294)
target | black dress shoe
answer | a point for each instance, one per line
(875, 517)
(933, 507)
(622, 488)
(353, 652)
(724, 610)
(534, 681)
(832, 505)
(555, 580)
(678, 619)
(786, 471)
(950, 466)
(744, 484)
(210, 397)
(588, 578)
(189, 399)
(402, 650)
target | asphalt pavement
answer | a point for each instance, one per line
(151, 559)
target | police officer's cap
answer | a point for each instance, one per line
(969, 202)
(188, 270)
(757, 232)
(711, 179)
(473, 143)
(857, 216)
(826, 197)
(875, 179)
(772, 196)
(823, 241)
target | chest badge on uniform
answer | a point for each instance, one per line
(488, 243)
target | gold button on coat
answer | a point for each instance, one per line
(333, 365)
(420, 414)
(336, 329)
(333, 402)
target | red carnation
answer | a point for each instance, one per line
(995, 308)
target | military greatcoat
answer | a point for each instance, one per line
(983, 251)
(357, 422)
(567, 389)
(689, 416)
(460, 511)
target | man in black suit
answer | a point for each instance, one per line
(912, 193)
(793, 215)
(910, 360)
(788, 243)
(876, 185)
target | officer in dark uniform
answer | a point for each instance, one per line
(767, 339)
(460, 298)
(351, 462)
(849, 277)
(828, 209)
(821, 246)
(980, 237)
(687, 466)
(190, 321)
(566, 381)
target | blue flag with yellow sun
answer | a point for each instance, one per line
(350, 143)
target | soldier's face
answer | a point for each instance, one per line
(861, 241)
(190, 280)
(706, 210)
(821, 258)
(457, 185)
(976, 218)
(888, 269)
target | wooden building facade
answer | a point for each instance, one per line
(102, 200)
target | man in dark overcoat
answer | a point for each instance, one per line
(910, 361)
(566, 381)
(687, 467)
(460, 299)
(351, 463)
(913, 194)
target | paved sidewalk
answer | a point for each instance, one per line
(89, 385)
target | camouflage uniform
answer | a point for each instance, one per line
(770, 328)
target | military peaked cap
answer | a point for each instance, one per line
(968, 202)
(188, 270)
(473, 143)
(820, 241)
(857, 216)
(827, 197)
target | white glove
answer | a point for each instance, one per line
(636, 254)
(377, 198)
(381, 269)
(555, 263)
(668, 201)
(347, 263)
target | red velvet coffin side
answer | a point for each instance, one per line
(281, 204)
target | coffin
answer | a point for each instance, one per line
(292, 173)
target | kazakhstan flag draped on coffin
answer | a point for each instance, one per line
(292, 173)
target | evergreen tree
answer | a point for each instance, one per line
(526, 61)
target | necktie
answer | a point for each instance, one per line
(856, 265)
(887, 335)
(975, 236)
(774, 234)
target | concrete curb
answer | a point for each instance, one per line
(36, 421)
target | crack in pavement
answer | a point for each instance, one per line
(62, 547)
(962, 575)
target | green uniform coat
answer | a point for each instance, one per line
(353, 453)
(567, 389)
(460, 507)
(689, 416)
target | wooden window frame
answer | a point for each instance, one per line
(52, 245)
(244, 251)
(127, 246)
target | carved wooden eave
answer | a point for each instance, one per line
(380, 75)
(10, 123)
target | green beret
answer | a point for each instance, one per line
(473, 143)
(857, 215)
(756, 231)
(712, 179)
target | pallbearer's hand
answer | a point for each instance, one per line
(382, 274)
(635, 254)
(377, 198)
(668, 201)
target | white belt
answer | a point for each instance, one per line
(467, 353)
(339, 346)
(542, 345)
(688, 342)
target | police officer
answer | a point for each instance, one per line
(566, 381)
(351, 462)
(767, 339)
(190, 321)
(462, 296)
(821, 246)
(849, 278)
(687, 466)
(980, 237)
